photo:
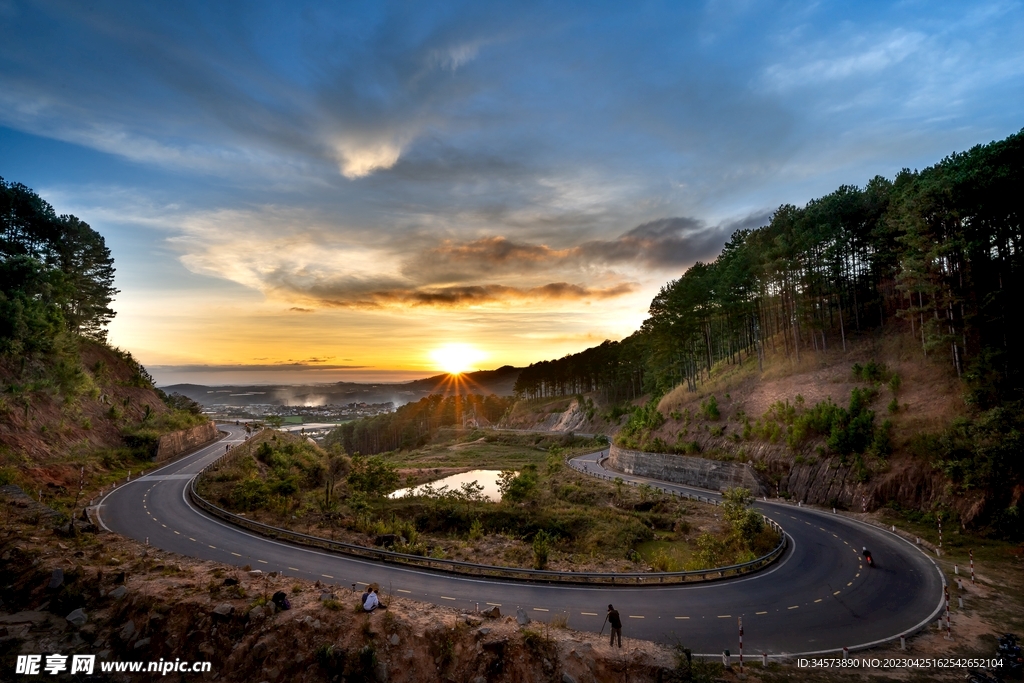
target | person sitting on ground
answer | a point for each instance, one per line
(371, 602)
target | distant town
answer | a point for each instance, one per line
(289, 416)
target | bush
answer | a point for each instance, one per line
(709, 408)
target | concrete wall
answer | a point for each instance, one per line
(684, 469)
(174, 444)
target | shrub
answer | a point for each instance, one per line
(709, 408)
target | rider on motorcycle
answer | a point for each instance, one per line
(867, 556)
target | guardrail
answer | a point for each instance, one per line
(490, 571)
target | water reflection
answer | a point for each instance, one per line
(486, 478)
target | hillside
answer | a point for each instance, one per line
(90, 406)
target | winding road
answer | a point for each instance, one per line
(818, 597)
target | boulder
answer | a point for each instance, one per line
(56, 579)
(118, 592)
(522, 618)
(492, 613)
(127, 631)
(394, 639)
(231, 581)
(141, 643)
(256, 573)
(224, 609)
(77, 618)
(566, 678)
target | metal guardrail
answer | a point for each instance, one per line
(460, 568)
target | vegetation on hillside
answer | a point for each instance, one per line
(75, 407)
(549, 515)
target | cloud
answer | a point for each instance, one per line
(343, 295)
(358, 158)
(239, 367)
(862, 58)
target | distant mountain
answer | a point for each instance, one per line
(500, 382)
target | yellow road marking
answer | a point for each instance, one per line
(540, 609)
(178, 532)
(494, 604)
(362, 584)
(850, 584)
(856, 575)
(682, 617)
(236, 554)
(633, 616)
(724, 616)
(192, 539)
(263, 561)
(445, 597)
(594, 614)
(836, 593)
(327, 576)
(818, 600)
(760, 613)
(295, 569)
(402, 591)
(215, 547)
(794, 607)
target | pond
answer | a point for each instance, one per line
(486, 478)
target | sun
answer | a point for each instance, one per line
(456, 359)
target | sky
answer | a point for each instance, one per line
(311, 192)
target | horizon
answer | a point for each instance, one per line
(380, 193)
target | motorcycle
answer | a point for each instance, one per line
(975, 676)
(1010, 655)
(868, 560)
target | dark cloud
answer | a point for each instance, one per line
(460, 296)
(299, 309)
(668, 243)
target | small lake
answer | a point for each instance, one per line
(486, 478)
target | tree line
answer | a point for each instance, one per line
(414, 424)
(56, 273)
(939, 250)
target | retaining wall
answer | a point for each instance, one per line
(685, 469)
(174, 444)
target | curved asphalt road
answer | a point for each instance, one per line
(817, 597)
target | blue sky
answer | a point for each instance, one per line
(334, 190)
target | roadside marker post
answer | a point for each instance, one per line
(846, 653)
(972, 565)
(741, 644)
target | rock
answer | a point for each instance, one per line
(103, 654)
(23, 618)
(231, 581)
(483, 631)
(127, 631)
(224, 609)
(316, 625)
(271, 608)
(492, 613)
(256, 573)
(380, 672)
(118, 592)
(566, 678)
(326, 595)
(259, 651)
(272, 575)
(256, 613)
(141, 643)
(522, 618)
(479, 679)
(394, 639)
(56, 578)
(77, 618)
(472, 621)
(207, 649)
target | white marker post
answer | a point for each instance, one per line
(972, 565)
